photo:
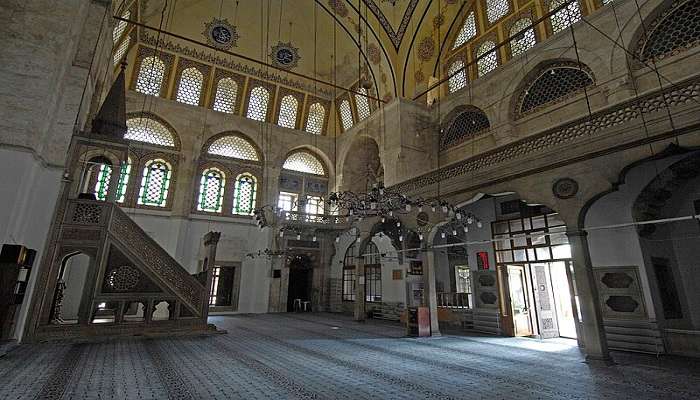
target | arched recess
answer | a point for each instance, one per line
(70, 287)
(233, 144)
(149, 124)
(549, 83)
(463, 123)
(670, 29)
(317, 153)
(646, 273)
(362, 167)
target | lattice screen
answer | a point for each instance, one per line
(211, 190)
(466, 125)
(155, 183)
(244, 195)
(525, 39)
(467, 32)
(458, 79)
(489, 59)
(495, 9)
(553, 85)
(143, 129)
(566, 16)
(303, 161)
(346, 115)
(674, 32)
(150, 77)
(315, 118)
(362, 104)
(234, 147)
(225, 97)
(288, 112)
(257, 104)
(190, 88)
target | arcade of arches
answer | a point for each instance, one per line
(168, 170)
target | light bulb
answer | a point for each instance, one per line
(479, 224)
(420, 236)
(337, 239)
(433, 208)
(420, 209)
(459, 216)
(298, 237)
(383, 220)
(314, 238)
(281, 233)
(359, 239)
(454, 232)
(391, 213)
(408, 207)
(444, 209)
(442, 235)
(400, 238)
(466, 229)
(398, 224)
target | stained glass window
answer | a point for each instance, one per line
(288, 112)
(120, 27)
(467, 32)
(362, 103)
(244, 194)
(487, 58)
(314, 121)
(458, 76)
(124, 173)
(525, 38)
(234, 147)
(211, 190)
(190, 88)
(565, 17)
(303, 161)
(496, 9)
(257, 104)
(143, 129)
(225, 98)
(155, 183)
(102, 183)
(150, 77)
(346, 115)
(121, 50)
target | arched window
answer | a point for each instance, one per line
(553, 85)
(675, 30)
(225, 98)
(373, 273)
(525, 38)
(190, 88)
(288, 112)
(102, 183)
(211, 190)
(124, 174)
(120, 27)
(303, 161)
(147, 130)
(155, 182)
(234, 147)
(315, 119)
(458, 76)
(565, 17)
(346, 115)
(362, 103)
(465, 126)
(150, 77)
(349, 274)
(487, 59)
(467, 32)
(244, 194)
(121, 50)
(257, 104)
(495, 9)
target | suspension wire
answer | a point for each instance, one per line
(578, 61)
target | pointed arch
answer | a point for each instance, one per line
(232, 145)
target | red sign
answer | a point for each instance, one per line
(482, 260)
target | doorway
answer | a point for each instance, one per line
(300, 281)
(519, 300)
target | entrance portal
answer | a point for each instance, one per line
(519, 303)
(300, 281)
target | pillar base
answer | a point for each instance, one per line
(600, 361)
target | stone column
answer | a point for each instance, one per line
(594, 339)
(430, 291)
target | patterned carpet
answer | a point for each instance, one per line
(327, 356)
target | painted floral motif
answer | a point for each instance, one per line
(373, 54)
(338, 7)
(426, 48)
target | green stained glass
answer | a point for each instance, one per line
(154, 184)
(102, 184)
(211, 190)
(244, 195)
(124, 173)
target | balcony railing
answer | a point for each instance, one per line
(454, 300)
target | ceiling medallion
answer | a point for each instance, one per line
(221, 34)
(284, 55)
(565, 188)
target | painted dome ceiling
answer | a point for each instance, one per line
(322, 39)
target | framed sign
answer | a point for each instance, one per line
(482, 260)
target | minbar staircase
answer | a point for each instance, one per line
(133, 286)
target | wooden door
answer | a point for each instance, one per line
(519, 303)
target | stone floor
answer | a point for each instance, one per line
(325, 356)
